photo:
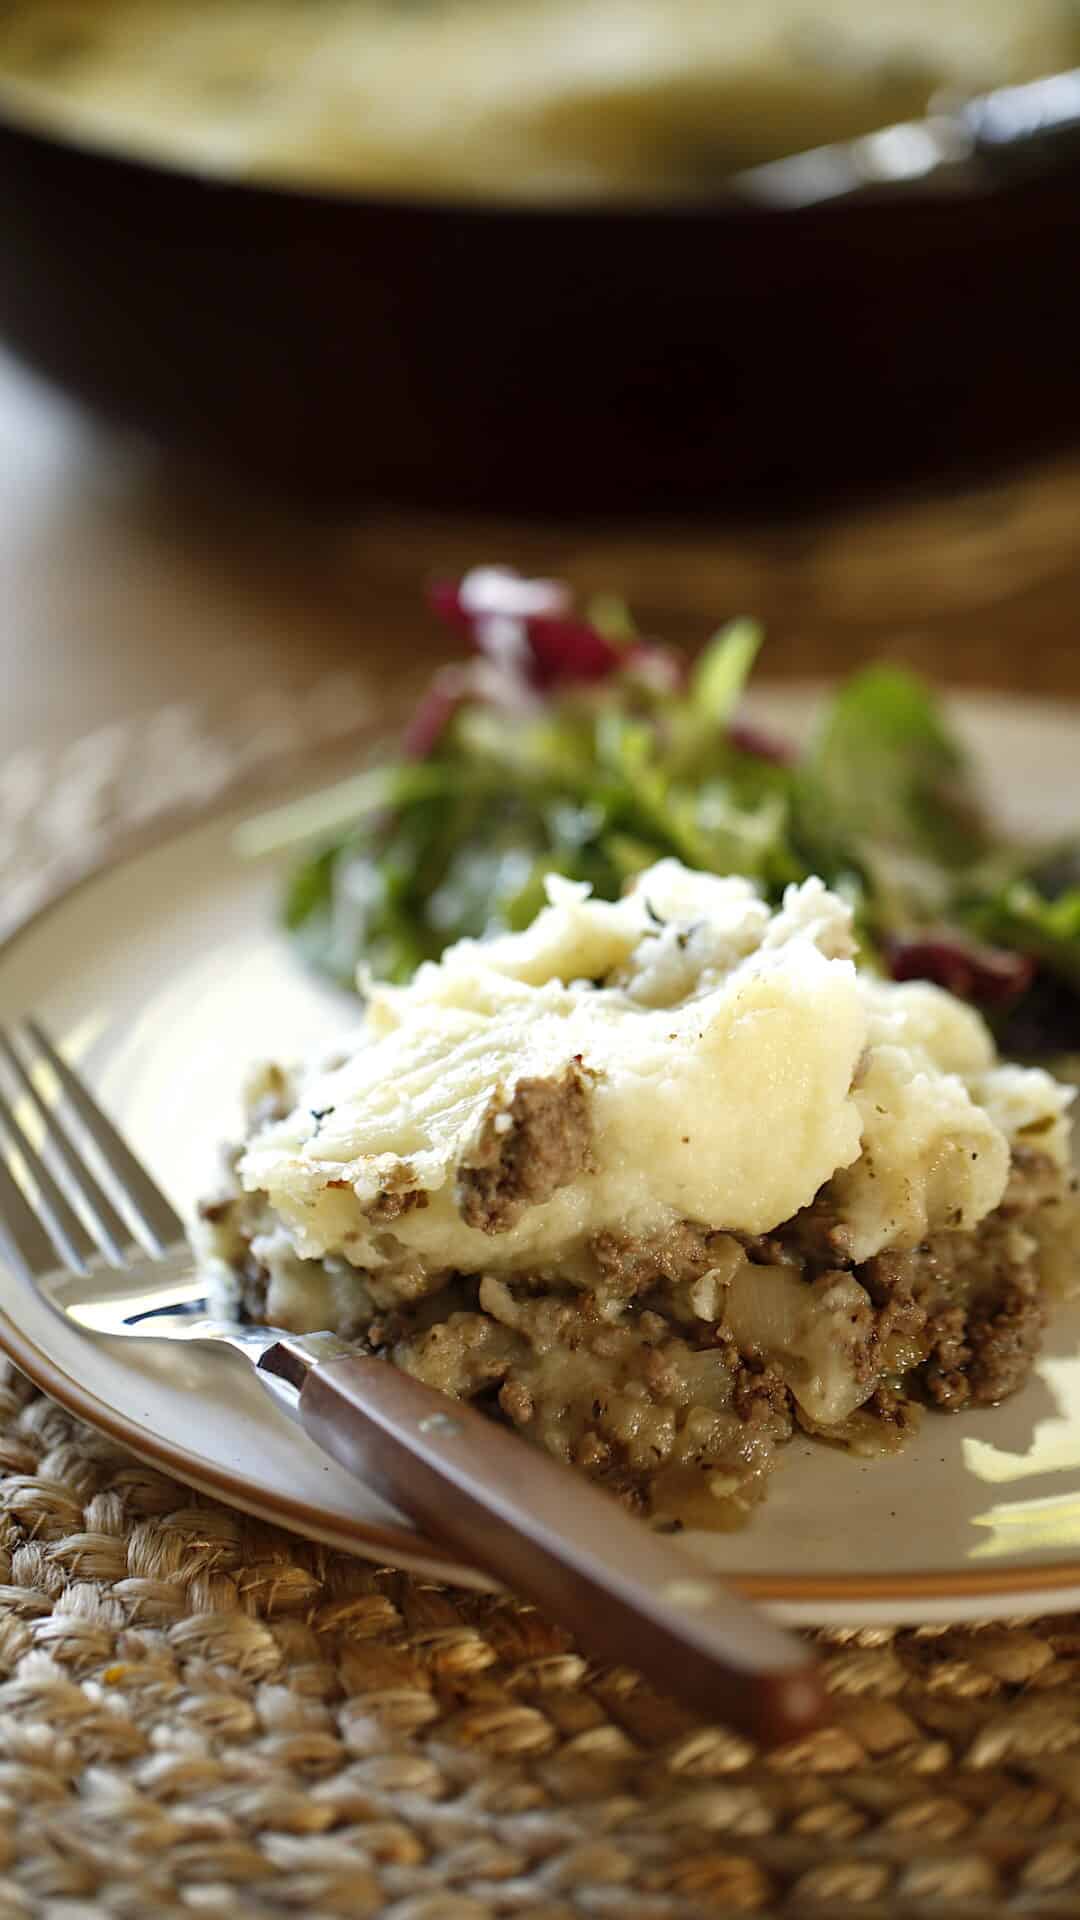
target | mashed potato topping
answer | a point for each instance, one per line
(728, 1062)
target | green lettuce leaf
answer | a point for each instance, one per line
(886, 770)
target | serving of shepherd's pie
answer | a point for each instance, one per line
(657, 1179)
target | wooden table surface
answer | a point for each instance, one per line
(125, 583)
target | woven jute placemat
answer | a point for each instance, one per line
(202, 1715)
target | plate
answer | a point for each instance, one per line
(164, 976)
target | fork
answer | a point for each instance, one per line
(104, 1246)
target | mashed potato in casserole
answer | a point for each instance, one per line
(538, 99)
(650, 1165)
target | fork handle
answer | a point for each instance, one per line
(557, 1539)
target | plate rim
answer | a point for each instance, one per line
(233, 1488)
(128, 845)
(795, 1595)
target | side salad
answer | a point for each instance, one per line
(566, 742)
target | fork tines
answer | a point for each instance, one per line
(55, 1207)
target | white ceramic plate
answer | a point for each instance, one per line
(164, 977)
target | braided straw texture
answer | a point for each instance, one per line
(202, 1715)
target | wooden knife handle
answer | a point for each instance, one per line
(549, 1534)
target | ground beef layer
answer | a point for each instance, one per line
(659, 1379)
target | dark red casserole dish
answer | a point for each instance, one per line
(561, 359)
